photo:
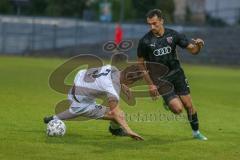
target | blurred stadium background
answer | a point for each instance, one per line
(34, 31)
(66, 28)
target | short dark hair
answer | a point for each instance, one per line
(154, 12)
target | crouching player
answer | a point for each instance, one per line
(90, 84)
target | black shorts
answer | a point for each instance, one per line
(172, 85)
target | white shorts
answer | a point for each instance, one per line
(86, 107)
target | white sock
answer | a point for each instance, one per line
(55, 117)
(196, 132)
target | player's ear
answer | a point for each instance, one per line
(162, 21)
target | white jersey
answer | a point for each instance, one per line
(96, 82)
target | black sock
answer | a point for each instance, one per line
(193, 120)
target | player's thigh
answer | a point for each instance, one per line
(179, 86)
(180, 83)
(173, 101)
(87, 108)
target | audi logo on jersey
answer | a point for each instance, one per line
(162, 51)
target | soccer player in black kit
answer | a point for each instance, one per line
(159, 46)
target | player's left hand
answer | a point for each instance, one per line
(199, 42)
(135, 136)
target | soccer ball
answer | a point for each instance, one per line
(56, 128)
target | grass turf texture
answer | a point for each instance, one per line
(26, 98)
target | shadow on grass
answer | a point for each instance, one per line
(107, 142)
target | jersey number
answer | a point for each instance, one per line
(95, 74)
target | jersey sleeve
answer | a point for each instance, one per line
(141, 49)
(182, 40)
(110, 88)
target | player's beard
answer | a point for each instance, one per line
(154, 31)
(157, 31)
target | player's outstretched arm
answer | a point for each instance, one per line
(152, 88)
(196, 46)
(117, 115)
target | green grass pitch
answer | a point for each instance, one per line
(26, 98)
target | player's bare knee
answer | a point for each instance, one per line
(178, 110)
(176, 106)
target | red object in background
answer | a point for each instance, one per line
(118, 34)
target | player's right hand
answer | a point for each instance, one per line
(199, 42)
(153, 91)
(135, 136)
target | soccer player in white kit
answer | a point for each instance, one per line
(105, 81)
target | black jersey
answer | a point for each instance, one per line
(162, 49)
